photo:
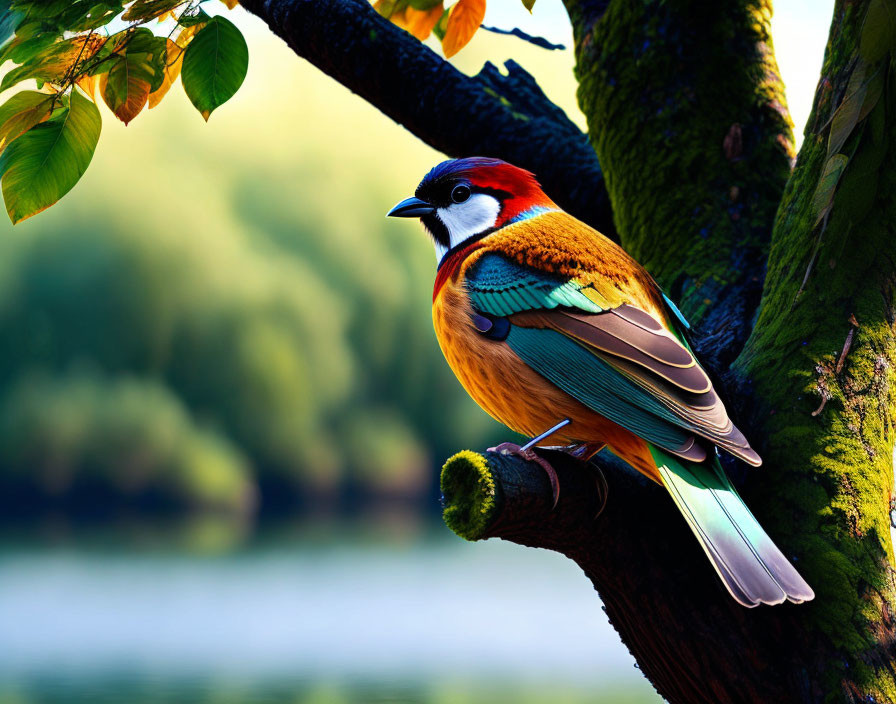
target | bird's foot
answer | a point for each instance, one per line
(529, 454)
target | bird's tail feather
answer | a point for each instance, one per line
(751, 566)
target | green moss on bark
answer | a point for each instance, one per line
(687, 114)
(820, 366)
(468, 490)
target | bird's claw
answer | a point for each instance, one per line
(509, 448)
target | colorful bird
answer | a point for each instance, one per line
(556, 332)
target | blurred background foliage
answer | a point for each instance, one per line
(277, 350)
(220, 318)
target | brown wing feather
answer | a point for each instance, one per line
(638, 346)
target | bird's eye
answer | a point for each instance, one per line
(460, 193)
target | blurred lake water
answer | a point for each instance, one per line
(309, 614)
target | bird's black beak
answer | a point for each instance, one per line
(410, 208)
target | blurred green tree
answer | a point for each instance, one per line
(247, 357)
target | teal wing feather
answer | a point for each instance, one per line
(625, 365)
(670, 304)
(501, 287)
(620, 362)
(595, 383)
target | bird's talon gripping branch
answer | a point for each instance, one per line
(530, 455)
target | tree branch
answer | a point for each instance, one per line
(508, 117)
(692, 641)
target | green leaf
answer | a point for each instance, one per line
(135, 73)
(847, 114)
(22, 112)
(22, 50)
(877, 122)
(529, 4)
(46, 10)
(424, 5)
(70, 15)
(879, 30)
(53, 63)
(98, 15)
(42, 165)
(827, 184)
(858, 187)
(215, 64)
(143, 10)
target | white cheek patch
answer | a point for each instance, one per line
(465, 220)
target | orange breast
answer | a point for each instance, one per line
(514, 394)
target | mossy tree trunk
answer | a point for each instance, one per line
(818, 370)
(687, 116)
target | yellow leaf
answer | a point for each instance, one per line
(173, 61)
(418, 22)
(398, 18)
(384, 8)
(463, 21)
(130, 98)
(87, 84)
(231, 3)
(21, 112)
(186, 35)
(54, 64)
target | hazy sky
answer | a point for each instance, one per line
(800, 29)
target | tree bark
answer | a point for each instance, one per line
(687, 116)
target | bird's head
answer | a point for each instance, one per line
(462, 200)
